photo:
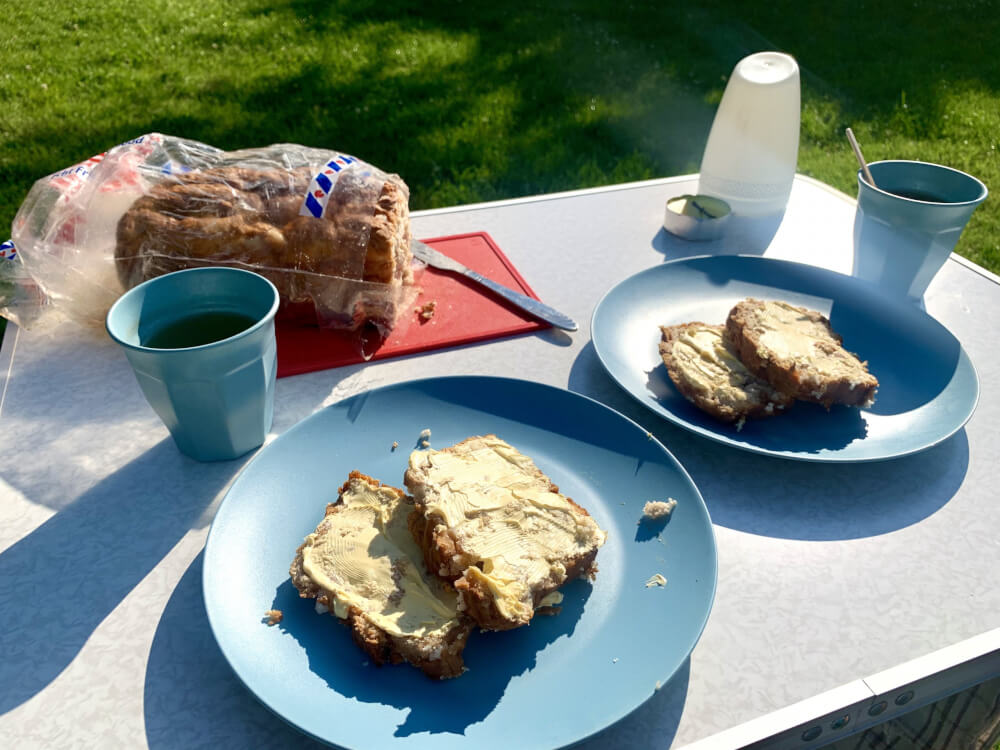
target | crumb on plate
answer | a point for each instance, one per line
(654, 510)
(273, 616)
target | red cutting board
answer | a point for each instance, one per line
(465, 313)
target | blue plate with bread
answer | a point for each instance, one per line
(610, 645)
(927, 385)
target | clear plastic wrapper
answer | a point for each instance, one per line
(329, 230)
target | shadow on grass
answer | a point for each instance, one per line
(472, 102)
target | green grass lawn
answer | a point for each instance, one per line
(473, 101)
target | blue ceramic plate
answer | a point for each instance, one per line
(546, 685)
(928, 387)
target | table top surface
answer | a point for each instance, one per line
(828, 574)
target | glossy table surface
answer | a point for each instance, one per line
(829, 575)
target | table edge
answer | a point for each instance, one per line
(920, 681)
(640, 184)
(8, 343)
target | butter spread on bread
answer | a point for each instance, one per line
(492, 522)
(707, 371)
(371, 561)
(798, 352)
(363, 564)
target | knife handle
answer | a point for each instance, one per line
(526, 303)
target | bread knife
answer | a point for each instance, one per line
(532, 306)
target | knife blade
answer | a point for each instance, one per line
(532, 306)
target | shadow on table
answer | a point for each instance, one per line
(806, 429)
(654, 723)
(742, 236)
(192, 698)
(822, 502)
(448, 706)
(64, 578)
(794, 499)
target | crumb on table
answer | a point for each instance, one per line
(654, 510)
(273, 616)
(426, 310)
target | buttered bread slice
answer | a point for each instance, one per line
(709, 374)
(490, 521)
(363, 565)
(799, 353)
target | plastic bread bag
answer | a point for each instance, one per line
(329, 230)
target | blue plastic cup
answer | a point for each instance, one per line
(905, 229)
(215, 396)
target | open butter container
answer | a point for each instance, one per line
(696, 217)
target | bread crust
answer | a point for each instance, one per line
(445, 556)
(437, 658)
(741, 395)
(804, 374)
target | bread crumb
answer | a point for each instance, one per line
(656, 580)
(273, 616)
(657, 686)
(549, 605)
(615, 660)
(426, 311)
(654, 510)
(395, 444)
(425, 438)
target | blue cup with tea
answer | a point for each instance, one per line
(201, 343)
(908, 222)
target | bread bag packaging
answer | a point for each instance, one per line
(331, 231)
